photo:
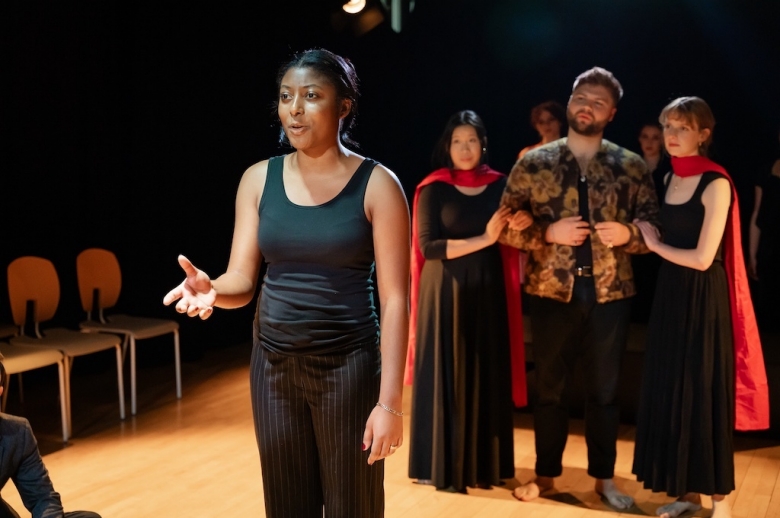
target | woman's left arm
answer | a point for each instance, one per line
(388, 212)
(755, 235)
(716, 199)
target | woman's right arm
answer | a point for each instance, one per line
(198, 294)
(497, 222)
(755, 235)
(433, 246)
(716, 199)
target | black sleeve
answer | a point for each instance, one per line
(32, 481)
(432, 245)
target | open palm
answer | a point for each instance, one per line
(195, 294)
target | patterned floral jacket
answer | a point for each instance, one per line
(544, 183)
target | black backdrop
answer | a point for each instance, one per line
(128, 125)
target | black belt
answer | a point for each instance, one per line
(583, 271)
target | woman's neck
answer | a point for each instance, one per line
(319, 160)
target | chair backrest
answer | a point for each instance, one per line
(97, 268)
(33, 279)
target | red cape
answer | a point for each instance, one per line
(752, 391)
(511, 263)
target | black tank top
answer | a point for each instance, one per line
(318, 292)
(682, 222)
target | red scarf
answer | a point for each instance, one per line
(511, 265)
(752, 392)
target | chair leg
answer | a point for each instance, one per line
(120, 381)
(133, 401)
(124, 346)
(177, 361)
(64, 405)
(67, 364)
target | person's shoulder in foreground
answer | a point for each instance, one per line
(21, 462)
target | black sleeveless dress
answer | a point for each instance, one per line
(686, 411)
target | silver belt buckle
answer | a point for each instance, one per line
(584, 271)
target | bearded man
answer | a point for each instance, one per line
(584, 193)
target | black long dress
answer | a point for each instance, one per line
(686, 411)
(461, 423)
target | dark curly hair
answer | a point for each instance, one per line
(554, 108)
(600, 77)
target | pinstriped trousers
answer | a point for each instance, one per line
(310, 413)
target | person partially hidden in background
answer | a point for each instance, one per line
(21, 462)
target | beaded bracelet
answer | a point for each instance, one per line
(387, 408)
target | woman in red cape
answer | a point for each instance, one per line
(704, 370)
(465, 312)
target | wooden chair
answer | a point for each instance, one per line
(19, 358)
(34, 291)
(100, 281)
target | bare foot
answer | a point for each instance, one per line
(533, 489)
(721, 509)
(606, 488)
(680, 507)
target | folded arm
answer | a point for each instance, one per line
(433, 246)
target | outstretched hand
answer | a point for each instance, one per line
(195, 294)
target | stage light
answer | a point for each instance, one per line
(354, 6)
(399, 11)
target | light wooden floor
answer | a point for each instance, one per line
(197, 457)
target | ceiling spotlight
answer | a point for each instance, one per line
(354, 6)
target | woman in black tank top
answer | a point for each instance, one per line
(327, 405)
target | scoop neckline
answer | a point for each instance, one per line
(332, 200)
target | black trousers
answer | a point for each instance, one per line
(310, 413)
(565, 333)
